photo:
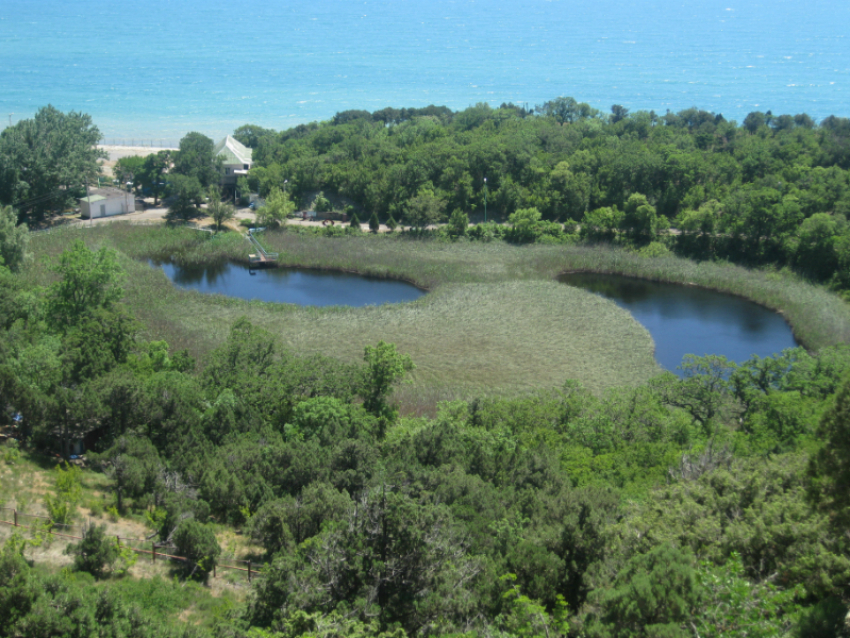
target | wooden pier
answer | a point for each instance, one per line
(261, 258)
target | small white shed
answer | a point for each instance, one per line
(105, 202)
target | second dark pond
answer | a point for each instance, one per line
(689, 320)
(289, 285)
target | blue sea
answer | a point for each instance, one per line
(152, 71)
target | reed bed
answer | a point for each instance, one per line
(817, 316)
(465, 339)
(495, 321)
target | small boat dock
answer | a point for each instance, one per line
(260, 258)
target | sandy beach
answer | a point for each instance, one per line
(117, 152)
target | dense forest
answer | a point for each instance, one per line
(708, 504)
(772, 190)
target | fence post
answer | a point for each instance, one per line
(153, 552)
(16, 518)
(118, 540)
(214, 574)
(249, 570)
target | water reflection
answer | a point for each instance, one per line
(689, 320)
(288, 285)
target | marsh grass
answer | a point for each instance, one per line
(817, 316)
(495, 321)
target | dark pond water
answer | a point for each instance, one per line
(689, 320)
(289, 285)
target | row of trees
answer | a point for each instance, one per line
(774, 189)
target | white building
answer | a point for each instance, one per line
(236, 159)
(105, 202)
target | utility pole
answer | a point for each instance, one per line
(10, 119)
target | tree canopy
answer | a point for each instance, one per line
(43, 158)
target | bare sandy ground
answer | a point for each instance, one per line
(117, 152)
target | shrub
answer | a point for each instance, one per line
(458, 223)
(94, 553)
(197, 543)
(653, 595)
(62, 506)
(322, 204)
(11, 451)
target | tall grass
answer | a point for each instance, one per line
(818, 317)
(495, 320)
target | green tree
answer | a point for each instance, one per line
(62, 504)
(458, 223)
(220, 211)
(566, 110)
(196, 159)
(39, 156)
(251, 134)
(424, 209)
(134, 466)
(355, 222)
(95, 553)
(525, 225)
(829, 467)
(322, 204)
(187, 194)
(601, 224)
(736, 607)
(197, 543)
(618, 113)
(152, 175)
(573, 188)
(374, 223)
(88, 280)
(527, 617)
(385, 367)
(19, 586)
(126, 169)
(655, 594)
(702, 392)
(816, 254)
(640, 220)
(14, 239)
(277, 209)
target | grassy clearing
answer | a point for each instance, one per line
(26, 478)
(495, 320)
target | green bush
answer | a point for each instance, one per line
(197, 543)
(11, 451)
(322, 204)
(653, 595)
(95, 553)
